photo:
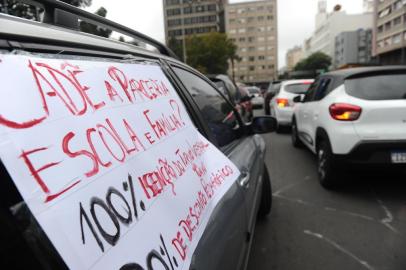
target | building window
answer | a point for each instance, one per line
(241, 30)
(397, 39)
(233, 31)
(172, 12)
(251, 58)
(231, 21)
(261, 48)
(241, 10)
(397, 5)
(187, 10)
(172, 2)
(173, 33)
(269, 17)
(250, 19)
(251, 49)
(260, 39)
(174, 22)
(261, 29)
(251, 39)
(384, 12)
(212, 7)
(380, 29)
(397, 20)
(261, 57)
(252, 68)
(241, 39)
(260, 18)
(388, 26)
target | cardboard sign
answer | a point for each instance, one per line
(108, 160)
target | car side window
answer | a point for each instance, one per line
(322, 88)
(216, 111)
(311, 91)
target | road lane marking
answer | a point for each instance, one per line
(287, 187)
(340, 248)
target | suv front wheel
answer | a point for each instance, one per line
(327, 165)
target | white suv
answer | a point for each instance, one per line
(353, 117)
(281, 105)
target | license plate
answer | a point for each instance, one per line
(398, 157)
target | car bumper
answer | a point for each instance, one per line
(377, 153)
(284, 116)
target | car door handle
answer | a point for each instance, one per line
(244, 178)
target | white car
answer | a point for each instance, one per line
(257, 99)
(281, 105)
(353, 117)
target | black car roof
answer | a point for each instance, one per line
(363, 71)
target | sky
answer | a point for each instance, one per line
(296, 18)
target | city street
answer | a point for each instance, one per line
(360, 226)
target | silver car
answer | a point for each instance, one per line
(226, 240)
(257, 98)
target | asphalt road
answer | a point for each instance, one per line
(360, 226)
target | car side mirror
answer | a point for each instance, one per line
(298, 99)
(263, 124)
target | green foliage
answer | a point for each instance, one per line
(94, 29)
(315, 61)
(210, 53)
(176, 46)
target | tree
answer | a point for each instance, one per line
(94, 29)
(210, 53)
(176, 46)
(15, 8)
(315, 61)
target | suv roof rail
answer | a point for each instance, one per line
(65, 15)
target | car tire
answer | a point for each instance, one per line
(266, 195)
(296, 142)
(327, 166)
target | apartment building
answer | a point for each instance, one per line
(353, 48)
(293, 56)
(329, 24)
(192, 17)
(253, 27)
(390, 31)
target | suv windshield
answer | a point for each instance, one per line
(299, 88)
(380, 87)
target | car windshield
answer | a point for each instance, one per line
(380, 87)
(299, 88)
(253, 90)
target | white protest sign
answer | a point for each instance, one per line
(108, 160)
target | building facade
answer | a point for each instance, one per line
(369, 5)
(293, 56)
(390, 31)
(192, 17)
(329, 25)
(253, 28)
(353, 48)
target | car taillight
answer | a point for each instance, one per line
(345, 112)
(282, 102)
